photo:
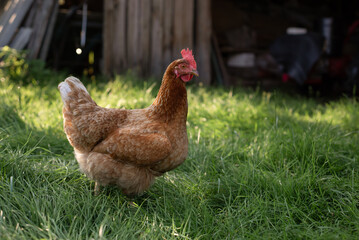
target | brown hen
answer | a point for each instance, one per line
(129, 148)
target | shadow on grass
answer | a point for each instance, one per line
(16, 134)
(33, 155)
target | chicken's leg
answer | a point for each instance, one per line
(97, 188)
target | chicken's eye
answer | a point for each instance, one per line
(183, 66)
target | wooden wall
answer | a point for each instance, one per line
(147, 35)
(28, 24)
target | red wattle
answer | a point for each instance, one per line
(186, 77)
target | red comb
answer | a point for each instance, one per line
(187, 54)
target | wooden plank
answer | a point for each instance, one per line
(168, 33)
(109, 61)
(203, 40)
(4, 6)
(178, 29)
(157, 38)
(42, 16)
(137, 34)
(29, 21)
(118, 31)
(183, 25)
(145, 36)
(14, 21)
(49, 32)
(133, 21)
(8, 28)
(219, 59)
(22, 38)
(188, 24)
(5, 11)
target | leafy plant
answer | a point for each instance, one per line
(15, 66)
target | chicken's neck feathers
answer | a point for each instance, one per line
(171, 101)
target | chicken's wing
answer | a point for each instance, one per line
(136, 146)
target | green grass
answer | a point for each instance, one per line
(260, 166)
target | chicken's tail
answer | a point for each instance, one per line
(77, 110)
(73, 91)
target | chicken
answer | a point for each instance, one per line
(130, 148)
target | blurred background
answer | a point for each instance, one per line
(266, 43)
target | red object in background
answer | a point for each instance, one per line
(314, 81)
(351, 30)
(337, 66)
(285, 77)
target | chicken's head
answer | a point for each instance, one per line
(186, 67)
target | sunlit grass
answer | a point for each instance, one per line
(261, 165)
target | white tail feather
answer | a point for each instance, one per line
(65, 88)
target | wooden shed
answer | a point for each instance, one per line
(147, 36)
(142, 35)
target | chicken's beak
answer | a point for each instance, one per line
(194, 72)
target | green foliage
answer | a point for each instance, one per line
(260, 166)
(15, 66)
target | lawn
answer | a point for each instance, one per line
(261, 166)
